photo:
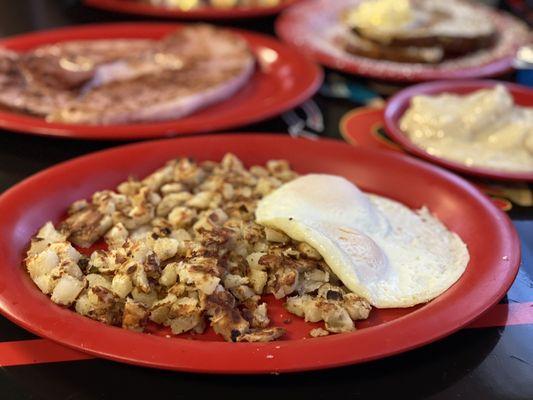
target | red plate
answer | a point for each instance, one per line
(489, 234)
(210, 13)
(399, 103)
(310, 26)
(362, 127)
(283, 79)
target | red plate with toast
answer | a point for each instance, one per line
(205, 12)
(492, 242)
(316, 28)
(397, 105)
(282, 79)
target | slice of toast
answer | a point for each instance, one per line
(408, 54)
(454, 26)
(451, 45)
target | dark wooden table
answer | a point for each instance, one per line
(494, 362)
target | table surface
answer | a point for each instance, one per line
(488, 363)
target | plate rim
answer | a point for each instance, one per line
(504, 224)
(397, 104)
(204, 13)
(27, 124)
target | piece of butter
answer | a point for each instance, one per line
(383, 14)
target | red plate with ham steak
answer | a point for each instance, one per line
(131, 81)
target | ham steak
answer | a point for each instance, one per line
(126, 80)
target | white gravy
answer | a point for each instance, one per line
(482, 129)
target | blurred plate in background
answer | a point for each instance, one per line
(400, 102)
(204, 12)
(283, 79)
(313, 27)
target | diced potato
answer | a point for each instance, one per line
(73, 270)
(172, 188)
(205, 282)
(121, 285)
(184, 306)
(208, 284)
(42, 263)
(259, 171)
(337, 320)
(46, 235)
(135, 315)
(181, 217)
(140, 280)
(258, 280)
(260, 316)
(180, 235)
(169, 275)
(46, 283)
(227, 191)
(158, 178)
(98, 280)
(318, 332)
(273, 235)
(147, 299)
(66, 290)
(232, 281)
(266, 185)
(117, 235)
(184, 324)
(308, 251)
(99, 260)
(171, 201)
(200, 200)
(139, 252)
(304, 306)
(165, 248)
(140, 232)
(253, 260)
(83, 304)
(160, 309)
(243, 292)
(357, 307)
(230, 162)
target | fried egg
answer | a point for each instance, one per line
(380, 249)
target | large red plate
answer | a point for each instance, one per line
(310, 26)
(210, 13)
(283, 79)
(488, 233)
(399, 103)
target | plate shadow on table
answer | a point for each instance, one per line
(22, 155)
(420, 373)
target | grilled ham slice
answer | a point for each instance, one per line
(154, 97)
(16, 93)
(122, 81)
(193, 68)
(69, 65)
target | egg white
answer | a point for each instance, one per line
(380, 249)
